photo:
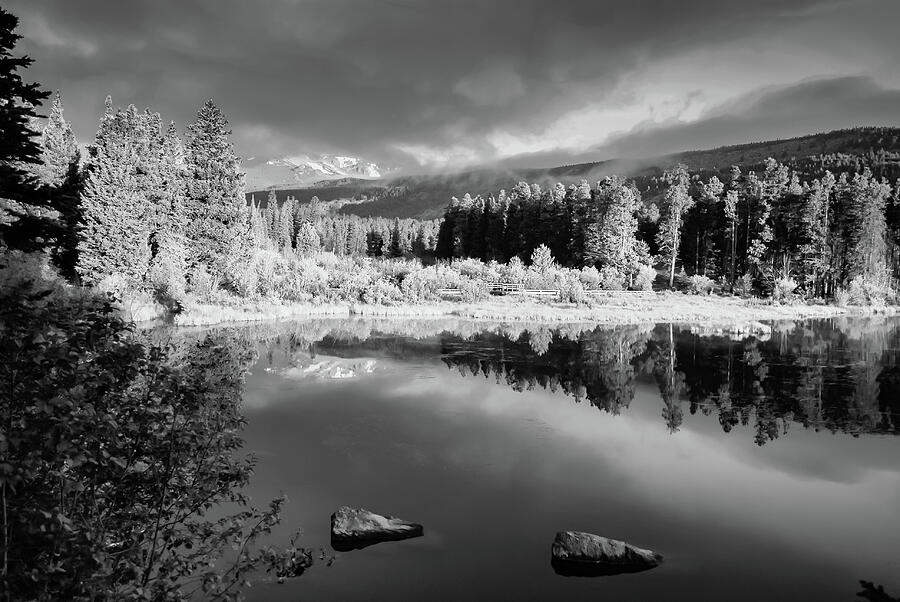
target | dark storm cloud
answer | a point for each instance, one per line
(367, 76)
(808, 107)
(805, 108)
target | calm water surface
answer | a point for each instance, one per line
(766, 468)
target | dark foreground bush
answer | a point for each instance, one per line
(113, 453)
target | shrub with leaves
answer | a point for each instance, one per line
(865, 290)
(424, 285)
(644, 279)
(474, 291)
(382, 292)
(744, 285)
(514, 271)
(783, 288)
(611, 278)
(842, 297)
(470, 268)
(590, 277)
(571, 288)
(203, 284)
(113, 453)
(698, 284)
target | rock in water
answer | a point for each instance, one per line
(586, 554)
(352, 529)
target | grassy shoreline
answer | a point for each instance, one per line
(728, 312)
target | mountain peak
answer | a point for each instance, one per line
(303, 170)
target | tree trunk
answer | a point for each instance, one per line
(733, 251)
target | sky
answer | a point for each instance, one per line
(425, 85)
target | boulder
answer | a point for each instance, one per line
(586, 554)
(355, 528)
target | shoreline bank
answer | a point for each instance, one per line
(662, 307)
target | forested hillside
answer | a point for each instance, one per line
(425, 197)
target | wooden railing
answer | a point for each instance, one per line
(518, 288)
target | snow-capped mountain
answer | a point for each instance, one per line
(304, 170)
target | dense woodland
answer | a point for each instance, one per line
(314, 226)
(753, 229)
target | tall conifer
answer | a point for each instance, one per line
(218, 222)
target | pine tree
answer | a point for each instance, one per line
(271, 215)
(542, 260)
(27, 220)
(706, 250)
(308, 240)
(420, 243)
(58, 172)
(461, 227)
(395, 249)
(814, 258)
(59, 151)
(374, 244)
(285, 234)
(215, 194)
(731, 214)
(117, 213)
(615, 242)
(766, 191)
(171, 191)
(867, 246)
(677, 201)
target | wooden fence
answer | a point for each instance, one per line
(518, 288)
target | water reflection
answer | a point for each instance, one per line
(837, 375)
(438, 430)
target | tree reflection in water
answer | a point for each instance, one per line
(839, 375)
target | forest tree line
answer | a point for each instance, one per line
(751, 230)
(310, 227)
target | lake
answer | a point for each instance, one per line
(761, 468)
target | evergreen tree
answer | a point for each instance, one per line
(615, 243)
(59, 151)
(170, 194)
(420, 243)
(271, 215)
(766, 191)
(446, 244)
(117, 213)
(461, 232)
(285, 234)
(215, 194)
(59, 174)
(308, 240)
(395, 249)
(814, 258)
(341, 237)
(374, 244)
(542, 260)
(867, 245)
(731, 214)
(677, 201)
(28, 220)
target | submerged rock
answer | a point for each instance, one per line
(355, 528)
(586, 554)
